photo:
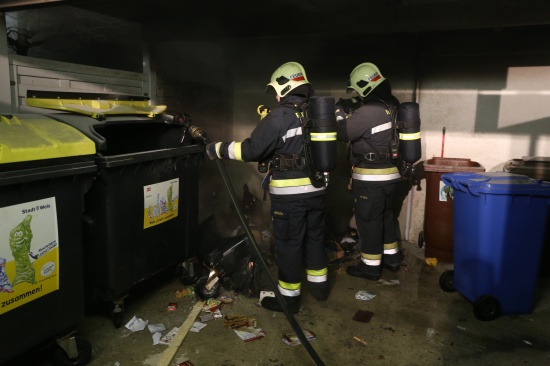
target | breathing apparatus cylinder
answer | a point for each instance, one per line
(408, 125)
(323, 133)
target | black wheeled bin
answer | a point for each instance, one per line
(536, 167)
(142, 209)
(45, 168)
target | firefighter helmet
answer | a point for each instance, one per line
(287, 77)
(364, 78)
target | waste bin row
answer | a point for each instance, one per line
(88, 209)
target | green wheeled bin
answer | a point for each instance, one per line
(45, 169)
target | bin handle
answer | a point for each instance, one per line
(474, 190)
(450, 182)
(460, 185)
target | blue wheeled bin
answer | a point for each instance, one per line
(45, 169)
(499, 228)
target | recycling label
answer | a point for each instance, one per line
(161, 202)
(29, 252)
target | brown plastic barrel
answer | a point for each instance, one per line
(438, 214)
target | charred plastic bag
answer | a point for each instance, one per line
(227, 262)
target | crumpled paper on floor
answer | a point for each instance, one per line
(136, 324)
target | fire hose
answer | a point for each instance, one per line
(198, 134)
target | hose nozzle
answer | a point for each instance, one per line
(198, 134)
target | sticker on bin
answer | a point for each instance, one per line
(445, 192)
(161, 202)
(29, 255)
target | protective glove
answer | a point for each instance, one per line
(340, 115)
(263, 111)
(213, 150)
(348, 105)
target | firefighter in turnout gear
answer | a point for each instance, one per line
(368, 129)
(297, 207)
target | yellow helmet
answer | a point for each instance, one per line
(287, 77)
(364, 78)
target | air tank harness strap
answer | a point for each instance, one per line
(285, 163)
(372, 157)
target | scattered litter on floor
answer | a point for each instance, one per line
(197, 326)
(527, 342)
(183, 292)
(388, 283)
(212, 305)
(156, 338)
(153, 328)
(364, 295)
(167, 339)
(206, 317)
(236, 321)
(461, 328)
(186, 363)
(431, 261)
(136, 324)
(226, 299)
(292, 339)
(430, 332)
(249, 333)
(360, 340)
(363, 316)
(172, 306)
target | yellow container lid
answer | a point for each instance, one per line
(29, 137)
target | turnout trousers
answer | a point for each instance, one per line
(298, 225)
(373, 202)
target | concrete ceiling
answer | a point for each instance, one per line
(212, 19)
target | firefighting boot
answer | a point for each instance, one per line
(292, 304)
(363, 271)
(319, 290)
(393, 261)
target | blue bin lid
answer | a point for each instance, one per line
(509, 186)
(459, 180)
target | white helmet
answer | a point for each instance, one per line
(287, 77)
(364, 78)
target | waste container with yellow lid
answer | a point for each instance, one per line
(141, 214)
(45, 168)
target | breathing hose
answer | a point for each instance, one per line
(198, 134)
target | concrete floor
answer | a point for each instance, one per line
(415, 323)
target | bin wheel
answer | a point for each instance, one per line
(203, 292)
(421, 239)
(189, 272)
(486, 308)
(447, 281)
(84, 349)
